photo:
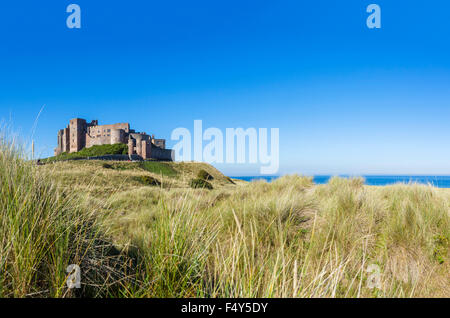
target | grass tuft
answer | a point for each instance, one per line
(147, 180)
(204, 175)
(201, 184)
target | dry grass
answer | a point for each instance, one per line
(289, 238)
(93, 178)
(44, 229)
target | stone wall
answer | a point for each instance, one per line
(162, 154)
(107, 134)
(161, 143)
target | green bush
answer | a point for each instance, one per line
(204, 175)
(150, 181)
(200, 184)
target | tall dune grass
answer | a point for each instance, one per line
(288, 238)
(43, 230)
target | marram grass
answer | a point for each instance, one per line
(288, 238)
(43, 230)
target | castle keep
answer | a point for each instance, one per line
(80, 134)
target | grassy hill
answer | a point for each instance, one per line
(135, 237)
(102, 178)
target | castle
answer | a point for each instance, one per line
(79, 134)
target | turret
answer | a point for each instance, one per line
(131, 146)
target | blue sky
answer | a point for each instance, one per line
(347, 99)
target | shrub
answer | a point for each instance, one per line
(95, 151)
(150, 181)
(200, 184)
(204, 175)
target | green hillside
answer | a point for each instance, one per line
(94, 151)
(105, 177)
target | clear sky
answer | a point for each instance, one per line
(347, 99)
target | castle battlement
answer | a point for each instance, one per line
(80, 134)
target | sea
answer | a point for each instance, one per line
(436, 181)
